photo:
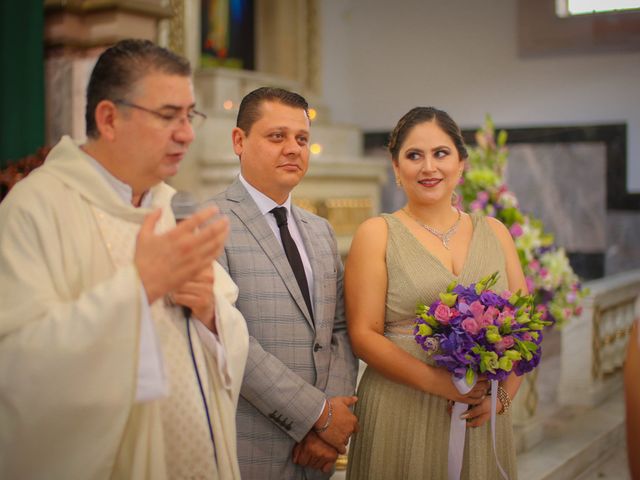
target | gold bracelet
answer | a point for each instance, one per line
(505, 400)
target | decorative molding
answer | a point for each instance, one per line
(149, 9)
(86, 24)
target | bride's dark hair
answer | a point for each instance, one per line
(419, 115)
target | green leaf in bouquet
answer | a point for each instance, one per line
(425, 330)
(449, 299)
(430, 319)
(536, 326)
(505, 363)
(547, 239)
(513, 354)
(523, 318)
(511, 215)
(502, 138)
(505, 328)
(515, 298)
(470, 376)
(492, 335)
(421, 308)
(451, 286)
(524, 348)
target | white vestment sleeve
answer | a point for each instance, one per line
(216, 349)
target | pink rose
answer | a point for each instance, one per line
(506, 294)
(477, 309)
(527, 336)
(516, 230)
(470, 326)
(476, 206)
(504, 344)
(485, 320)
(507, 312)
(443, 314)
(530, 285)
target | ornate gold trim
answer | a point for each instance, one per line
(176, 27)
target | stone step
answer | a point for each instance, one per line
(576, 440)
(613, 467)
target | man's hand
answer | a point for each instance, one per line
(197, 294)
(167, 261)
(314, 452)
(343, 423)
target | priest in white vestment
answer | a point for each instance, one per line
(102, 374)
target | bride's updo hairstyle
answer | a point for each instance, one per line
(419, 115)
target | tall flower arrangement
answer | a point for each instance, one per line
(550, 278)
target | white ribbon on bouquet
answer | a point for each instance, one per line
(458, 429)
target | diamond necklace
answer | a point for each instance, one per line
(444, 237)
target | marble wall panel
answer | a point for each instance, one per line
(623, 245)
(564, 185)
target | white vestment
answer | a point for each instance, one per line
(69, 341)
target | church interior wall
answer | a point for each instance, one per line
(382, 58)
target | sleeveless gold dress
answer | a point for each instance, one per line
(404, 433)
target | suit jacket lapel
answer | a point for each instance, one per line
(249, 214)
(310, 238)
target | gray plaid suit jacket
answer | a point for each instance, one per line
(293, 364)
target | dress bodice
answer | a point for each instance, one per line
(415, 275)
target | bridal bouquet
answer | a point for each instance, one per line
(474, 330)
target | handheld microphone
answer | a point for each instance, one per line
(183, 205)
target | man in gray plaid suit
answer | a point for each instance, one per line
(293, 417)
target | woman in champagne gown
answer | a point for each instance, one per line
(411, 256)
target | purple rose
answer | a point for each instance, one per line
(490, 298)
(463, 307)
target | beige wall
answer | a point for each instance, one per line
(381, 58)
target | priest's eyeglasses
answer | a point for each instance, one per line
(171, 117)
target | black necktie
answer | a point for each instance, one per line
(293, 255)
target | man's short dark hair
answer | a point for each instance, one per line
(119, 68)
(249, 111)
